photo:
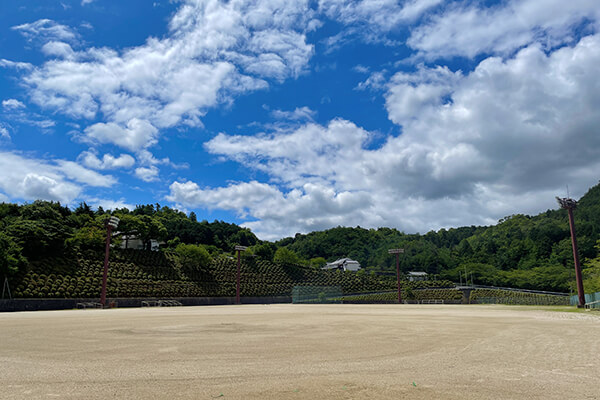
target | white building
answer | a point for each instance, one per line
(417, 276)
(345, 264)
(133, 242)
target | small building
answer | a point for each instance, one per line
(414, 276)
(345, 264)
(134, 242)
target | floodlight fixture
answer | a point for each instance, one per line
(113, 222)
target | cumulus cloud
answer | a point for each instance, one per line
(380, 15)
(147, 174)
(474, 147)
(138, 134)
(59, 180)
(472, 28)
(313, 206)
(108, 161)
(213, 51)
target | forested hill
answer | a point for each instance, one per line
(43, 230)
(520, 251)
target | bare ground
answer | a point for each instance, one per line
(301, 352)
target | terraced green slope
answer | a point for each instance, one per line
(136, 273)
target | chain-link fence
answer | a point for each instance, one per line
(316, 294)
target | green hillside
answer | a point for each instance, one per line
(47, 249)
(520, 251)
(143, 273)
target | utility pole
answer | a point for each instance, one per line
(239, 249)
(397, 252)
(112, 223)
(570, 204)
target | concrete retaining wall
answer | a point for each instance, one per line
(67, 304)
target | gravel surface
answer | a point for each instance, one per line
(301, 352)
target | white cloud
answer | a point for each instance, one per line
(85, 2)
(312, 207)
(299, 114)
(147, 174)
(474, 147)
(4, 132)
(90, 159)
(213, 51)
(35, 186)
(46, 29)
(4, 63)
(80, 174)
(380, 15)
(109, 204)
(58, 180)
(58, 49)
(472, 29)
(373, 20)
(136, 135)
(12, 104)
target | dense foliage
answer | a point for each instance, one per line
(45, 239)
(520, 251)
(143, 273)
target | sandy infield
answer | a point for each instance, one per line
(301, 352)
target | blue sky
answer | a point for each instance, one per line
(297, 116)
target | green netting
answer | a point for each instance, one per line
(592, 298)
(316, 294)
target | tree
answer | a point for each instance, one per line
(193, 257)
(265, 251)
(11, 258)
(88, 237)
(317, 262)
(285, 256)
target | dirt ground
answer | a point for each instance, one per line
(301, 352)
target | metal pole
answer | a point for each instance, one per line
(578, 276)
(398, 277)
(105, 274)
(237, 286)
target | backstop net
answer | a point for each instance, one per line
(316, 294)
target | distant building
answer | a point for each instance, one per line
(417, 276)
(344, 264)
(133, 242)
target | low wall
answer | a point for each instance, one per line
(67, 304)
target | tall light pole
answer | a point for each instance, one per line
(570, 204)
(397, 252)
(239, 250)
(112, 223)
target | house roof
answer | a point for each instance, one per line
(343, 261)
